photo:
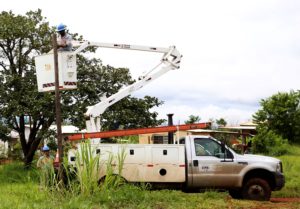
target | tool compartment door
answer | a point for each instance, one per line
(167, 164)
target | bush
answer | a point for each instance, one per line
(16, 153)
(270, 143)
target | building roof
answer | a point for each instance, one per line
(240, 127)
(68, 129)
(249, 123)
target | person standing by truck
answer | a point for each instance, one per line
(45, 160)
(45, 164)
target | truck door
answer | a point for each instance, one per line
(209, 167)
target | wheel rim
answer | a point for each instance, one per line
(256, 191)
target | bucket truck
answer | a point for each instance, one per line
(196, 162)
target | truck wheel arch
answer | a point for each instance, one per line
(260, 173)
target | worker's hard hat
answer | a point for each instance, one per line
(61, 27)
(45, 148)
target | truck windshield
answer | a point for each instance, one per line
(208, 147)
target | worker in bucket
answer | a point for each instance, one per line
(64, 41)
(45, 160)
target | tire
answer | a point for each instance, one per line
(236, 193)
(256, 189)
(114, 179)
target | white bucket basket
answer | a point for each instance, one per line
(67, 67)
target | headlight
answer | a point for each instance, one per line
(279, 167)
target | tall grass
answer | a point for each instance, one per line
(16, 173)
(48, 178)
(87, 169)
(83, 179)
(113, 177)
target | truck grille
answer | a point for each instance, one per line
(281, 168)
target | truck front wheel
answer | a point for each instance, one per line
(257, 189)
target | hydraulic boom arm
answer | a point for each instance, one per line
(170, 60)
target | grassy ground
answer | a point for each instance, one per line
(20, 188)
(291, 169)
(28, 195)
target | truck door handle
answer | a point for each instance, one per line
(195, 163)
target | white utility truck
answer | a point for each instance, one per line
(195, 162)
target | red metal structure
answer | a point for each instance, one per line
(107, 134)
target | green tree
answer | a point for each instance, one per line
(132, 113)
(192, 119)
(24, 36)
(269, 143)
(221, 122)
(280, 113)
(4, 130)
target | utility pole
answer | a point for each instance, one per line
(57, 105)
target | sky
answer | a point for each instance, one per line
(235, 52)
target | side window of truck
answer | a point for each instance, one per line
(207, 147)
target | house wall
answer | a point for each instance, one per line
(3, 149)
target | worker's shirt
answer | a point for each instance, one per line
(45, 162)
(65, 40)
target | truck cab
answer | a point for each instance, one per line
(211, 164)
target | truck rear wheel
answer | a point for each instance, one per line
(257, 189)
(236, 193)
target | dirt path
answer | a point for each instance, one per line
(278, 203)
(285, 199)
(274, 203)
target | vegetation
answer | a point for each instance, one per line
(24, 36)
(193, 119)
(278, 123)
(269, 143)
(281, 114)
(291, 169)
(221, 122)
(21, 189)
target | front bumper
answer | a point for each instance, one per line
(279, 181)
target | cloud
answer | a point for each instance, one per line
(234, 52)
(181, 113)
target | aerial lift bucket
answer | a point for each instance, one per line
(67, 68)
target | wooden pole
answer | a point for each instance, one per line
(57, 104)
